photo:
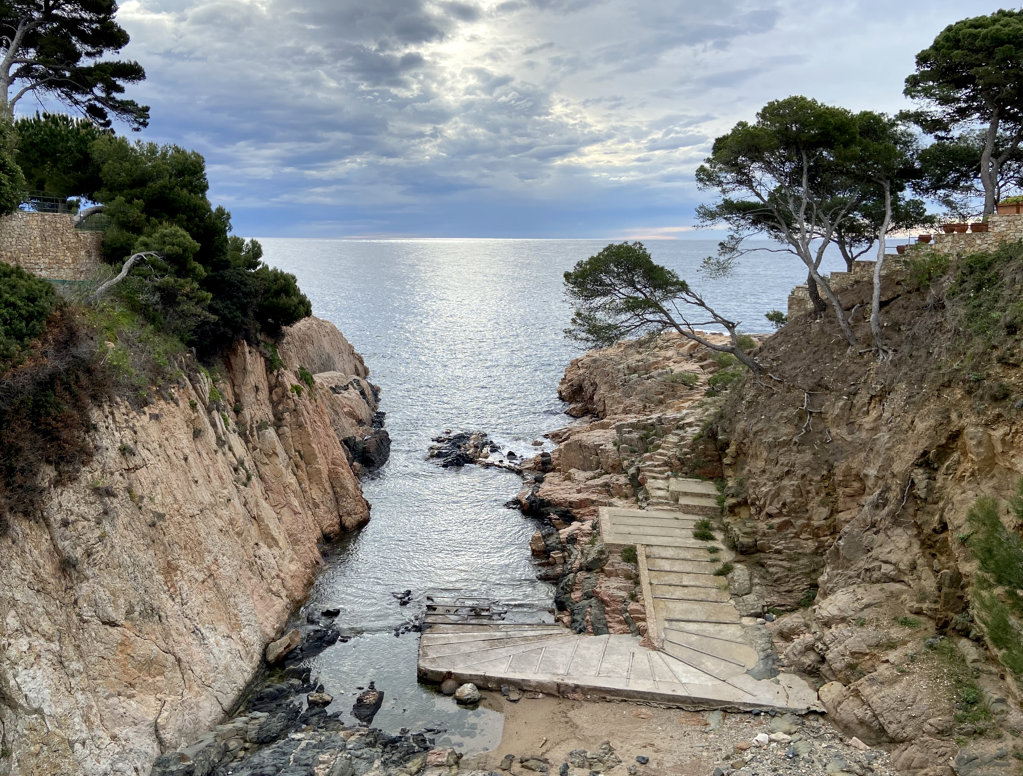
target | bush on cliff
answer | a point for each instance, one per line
(44, 412)
(25, 304)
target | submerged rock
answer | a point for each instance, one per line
(367, 704)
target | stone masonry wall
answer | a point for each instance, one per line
(48, 245)
(1001, 229)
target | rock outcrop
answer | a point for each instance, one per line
(137, 606)
(628, 398)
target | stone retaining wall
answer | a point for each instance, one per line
(48, 245)
(1001, 229)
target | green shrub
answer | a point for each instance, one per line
(995, 596)
(274, 361)
(688, 379)
(306, 377)
(25, 303)
(777, 318)
(745, 342)
(296, 389)
(926, 267)
(629, 554)
(999, 552)
(724, 569)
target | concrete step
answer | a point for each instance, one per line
(680, 579)
(694, 611)
(714, 595)
(694, 486)
(681, 565)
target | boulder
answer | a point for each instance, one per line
(467, 694)
(276, 650)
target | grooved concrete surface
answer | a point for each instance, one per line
(704, 656)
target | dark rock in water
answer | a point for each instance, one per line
(331, 613)
(314, 643)
(372, 450)
(272, 697)
(367, 704)
(511, 455)
(403, 597)
(411, 625)
(302, 673)
(456, 450)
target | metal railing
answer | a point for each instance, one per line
(41, 202)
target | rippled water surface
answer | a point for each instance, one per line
(459, 335)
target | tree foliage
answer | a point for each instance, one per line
(808, 175)
(950, 172)
(12, 181)
(54, 151)
(206, 287)
(971, 77)
(58, 47)
(620, 292)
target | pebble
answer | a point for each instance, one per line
(563, 770)
(642, 759)
(762, 739)
(507, 762)
(855, 743)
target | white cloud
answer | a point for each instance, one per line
(397, 105)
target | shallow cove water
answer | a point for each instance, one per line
(460, 335)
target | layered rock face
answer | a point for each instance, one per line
(135, 609)
(853, 480)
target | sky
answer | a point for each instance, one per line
(496, 118)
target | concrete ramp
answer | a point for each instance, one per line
(554, 661)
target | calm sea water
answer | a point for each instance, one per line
(459, 335)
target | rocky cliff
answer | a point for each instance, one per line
(135, 609)
(855, 479)
(873, 502)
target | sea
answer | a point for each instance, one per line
(460, 335)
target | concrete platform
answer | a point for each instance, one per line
(555, 661)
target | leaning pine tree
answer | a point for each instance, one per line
(620, 292)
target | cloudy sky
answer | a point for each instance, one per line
(496, 118)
